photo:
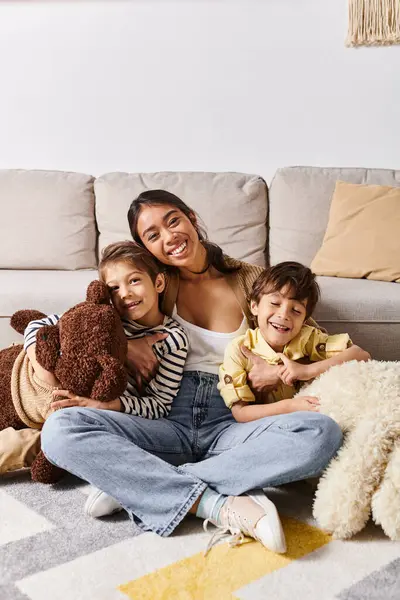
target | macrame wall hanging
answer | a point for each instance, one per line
(373, 22)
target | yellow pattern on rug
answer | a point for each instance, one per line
(224, 570)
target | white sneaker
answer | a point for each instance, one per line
(100, 504)
(252, 515)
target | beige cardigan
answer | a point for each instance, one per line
(241, 282)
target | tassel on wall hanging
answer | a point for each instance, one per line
(373, 22)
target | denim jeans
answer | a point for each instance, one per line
(157, 469)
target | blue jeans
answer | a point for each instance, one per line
(157, 469)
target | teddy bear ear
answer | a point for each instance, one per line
(20, 319)
(98, 293)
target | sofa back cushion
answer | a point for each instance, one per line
(300, 199)
(47, 220)
(233, 207)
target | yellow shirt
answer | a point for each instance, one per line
(309, 343)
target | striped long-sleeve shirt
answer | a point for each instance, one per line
(171, 353)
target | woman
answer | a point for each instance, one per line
(198, 459)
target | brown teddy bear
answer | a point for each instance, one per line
(85, 350)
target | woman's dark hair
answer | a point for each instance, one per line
(215, 255)
(300, 279)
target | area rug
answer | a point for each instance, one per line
(49, 550)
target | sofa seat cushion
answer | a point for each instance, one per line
(47, 220)
(367, 310)
(358, 300)
(48, 291)
(233, 207)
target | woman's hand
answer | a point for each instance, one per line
(141, 361)
(70, 399)
(262, 376)
(299, 403)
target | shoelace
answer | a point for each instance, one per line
(233, 535)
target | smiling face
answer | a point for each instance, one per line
(171, 236)
(133, 292)
(280, 317)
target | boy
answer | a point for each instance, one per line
(135, 282)
(282, 298)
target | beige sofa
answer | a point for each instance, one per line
(54, 224)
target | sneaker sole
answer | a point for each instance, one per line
(276, 540)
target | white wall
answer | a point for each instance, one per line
(192, 85)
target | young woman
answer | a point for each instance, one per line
(198, 459)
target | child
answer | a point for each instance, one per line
(282, 298)
(135, 282)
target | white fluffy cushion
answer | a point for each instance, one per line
(364, 399)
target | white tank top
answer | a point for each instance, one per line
(206, 348)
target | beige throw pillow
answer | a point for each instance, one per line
(362, 239)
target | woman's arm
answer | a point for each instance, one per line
(141, 361)
(262, 377)
(158, 396)
(244, 412)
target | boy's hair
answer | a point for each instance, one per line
(129, 252)
(299, 278)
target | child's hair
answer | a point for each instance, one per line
(299, 278)
(132, 253)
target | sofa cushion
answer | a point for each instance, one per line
(233, 207)
(367, 310)
(48, 220)
(358, 300)
(48, 291)
(300, 199)
(362, 238)
(381, 340)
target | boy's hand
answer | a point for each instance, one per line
(262, 376)
(292, 371)
(301, 403)
(70, 399)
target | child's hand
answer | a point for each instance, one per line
(301, 403)
(292, 371)
(70, 399)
